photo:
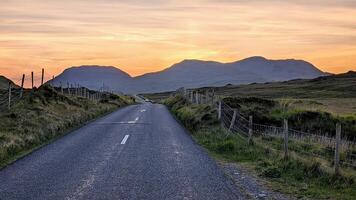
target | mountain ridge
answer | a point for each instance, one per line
(190, 73)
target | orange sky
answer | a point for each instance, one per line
(140, 36)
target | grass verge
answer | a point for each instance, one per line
(301, 176)
(44, 115)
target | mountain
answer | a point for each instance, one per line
(278, 70)
(194, 73)
(191, 74)
(95, 77)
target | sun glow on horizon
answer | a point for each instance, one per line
(144, 36)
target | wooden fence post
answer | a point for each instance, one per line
(219, 111)
(196, 97)
(212, 97)
(285, 131)
(61, 86)
(206, 97)
(68, 88)
(77, 89)
(9, 103)
(22, 82)
(233, 120)
(337, 148)
(32, 79)
(250, 129)
(42, 76)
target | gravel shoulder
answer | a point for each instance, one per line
(252, 186)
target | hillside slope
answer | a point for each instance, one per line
(333, 86)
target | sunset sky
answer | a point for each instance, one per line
(140, 36)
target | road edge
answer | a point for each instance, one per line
(219, 162)
(214, 159)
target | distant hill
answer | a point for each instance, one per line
(95, 77)
(4, 83)
(191, 74)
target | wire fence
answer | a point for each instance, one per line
(233, 120)
(13, 94)
(8, 98)
(240, 124)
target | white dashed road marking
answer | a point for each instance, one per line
(134, 121)
(125, 139)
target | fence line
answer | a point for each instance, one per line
(233, 120)
(13, 93)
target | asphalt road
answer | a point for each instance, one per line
(137, 152)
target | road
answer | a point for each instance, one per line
(137, 152)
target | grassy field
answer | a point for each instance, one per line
(335, 94)
(44, 114)
(334, 86)
(302, 176)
